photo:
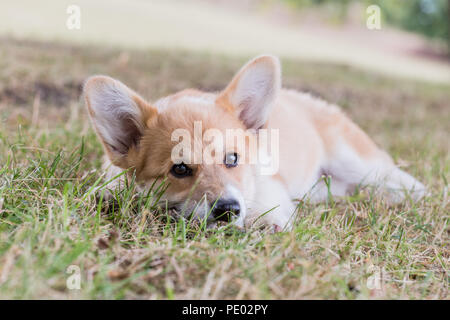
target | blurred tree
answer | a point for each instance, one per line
(427, 17)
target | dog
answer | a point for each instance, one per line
(319, 150)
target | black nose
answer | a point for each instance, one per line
(224, 210)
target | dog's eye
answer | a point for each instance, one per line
(231, 160)
(181, 170)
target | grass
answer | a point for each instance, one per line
(51, 219)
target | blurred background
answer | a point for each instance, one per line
(413, 39)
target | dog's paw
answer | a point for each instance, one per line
(276, 228)
(397, 196)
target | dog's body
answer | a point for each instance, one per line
(315, 139)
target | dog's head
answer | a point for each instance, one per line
(202, 143)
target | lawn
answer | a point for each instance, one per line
(52, 222)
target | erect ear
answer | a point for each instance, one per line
(119, 116)
(253, 90)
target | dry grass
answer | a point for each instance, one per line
(50, 219)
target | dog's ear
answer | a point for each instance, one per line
(119, 117)
(252, 91)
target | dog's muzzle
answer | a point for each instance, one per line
(226, 210)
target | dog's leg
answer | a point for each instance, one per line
(272, 205)
(348, 170)
(352, 159)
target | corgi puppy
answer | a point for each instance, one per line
(313, 139)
